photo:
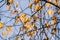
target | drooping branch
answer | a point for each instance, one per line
(50, 3)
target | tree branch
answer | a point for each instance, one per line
(50, 3)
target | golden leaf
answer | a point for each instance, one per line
(36, 7)
(28, 19)
(21, 28)
(3, 33)
(30, 33)
(23, 18)
(35, 1)
(46, 38)
(58, 11)
(11, 1)
(55, 2)
(46, 24)
(16, 38)
(34, 17)
(53, 22)
(53, 31)
(1, 24)
(49, 11)
(49, 0)
(32, 24)
(7, 7)
(30, 5)
(16, 19)
(48, 4)
(27, 25)
(53, 17)
(8, 28)
(35, 28)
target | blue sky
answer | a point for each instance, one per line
(22, 4)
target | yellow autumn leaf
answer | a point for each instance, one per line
(22, 14)
(8, 28)
(55, 2)
(48, 4)
(1, 24)
(35, 28)
(23, 18)
(49, 11)
(30, 33)
(32, 24)
(49, 0)
(53, 31)
(35, 1)
(58, 11)
(16, 38)
(35, 17)
(11, 1)
(7, 7)
(53, 18)
(21, 28)
(16, 19)
(36, 7)
(28, 19)
(3, 33)
(53, 22)
(45, 38)
(27, 26)
(30, 5)
(46, 24)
